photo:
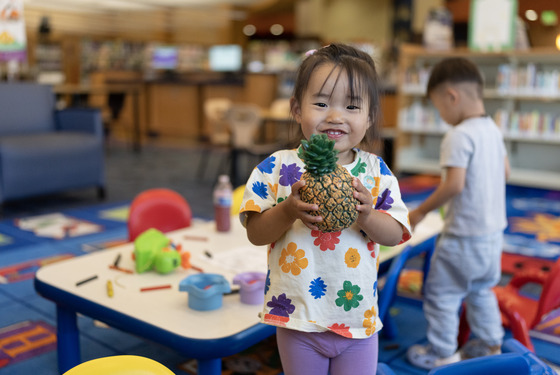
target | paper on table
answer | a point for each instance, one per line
(240, 259)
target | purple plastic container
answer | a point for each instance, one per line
(251, 287)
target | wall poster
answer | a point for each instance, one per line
(12, 31)
(492, 25)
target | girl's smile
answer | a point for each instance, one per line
(335, 134)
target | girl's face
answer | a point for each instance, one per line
(326, 107)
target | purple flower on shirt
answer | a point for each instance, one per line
(281, 306)
(385, 202)
(259, 188)
(290, 174)
(267, 165)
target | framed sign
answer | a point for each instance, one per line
(12, 31)
(492, 25)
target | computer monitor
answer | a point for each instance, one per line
(165, 58)
(225, 58)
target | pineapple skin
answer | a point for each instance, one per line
(334, 195)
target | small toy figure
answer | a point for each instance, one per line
(153, 250)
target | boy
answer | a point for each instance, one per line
(466, 261)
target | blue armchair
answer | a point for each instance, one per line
(44, 150)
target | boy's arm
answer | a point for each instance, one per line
(508, 168)
(449, 187)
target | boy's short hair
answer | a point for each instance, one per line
(455, 70)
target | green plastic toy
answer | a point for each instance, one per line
(153, 250)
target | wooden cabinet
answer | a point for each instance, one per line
(522, 93)
(119, 113)
(173, 109)
(261, 89)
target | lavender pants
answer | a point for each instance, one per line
(322, 353)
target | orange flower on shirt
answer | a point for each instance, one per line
(250, 206)
(273, 188)
(293, 259)
(375, 190)
(352, 258)
(369, 321)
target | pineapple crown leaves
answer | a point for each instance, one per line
(318, 154)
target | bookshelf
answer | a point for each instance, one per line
(521, 93)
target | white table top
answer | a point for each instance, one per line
(168, 309)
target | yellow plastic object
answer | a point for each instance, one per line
(120, 365)
(237, 199)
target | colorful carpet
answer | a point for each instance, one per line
(28, 321)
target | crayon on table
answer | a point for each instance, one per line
(110, 291)
(117, 261)
(158, 287)
(86, 280)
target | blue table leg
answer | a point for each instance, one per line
(68, 339)
(209, 366)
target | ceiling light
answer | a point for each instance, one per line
(124, 5)
(531, 15)
(276, 29)
(249, 30)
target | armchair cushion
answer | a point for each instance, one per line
(83, 120)
(26, 108)
(48, 161)
(43, 150)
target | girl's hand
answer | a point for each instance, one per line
(298, 209)
(364, 197)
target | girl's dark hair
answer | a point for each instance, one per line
(455, 70)
(362, 76)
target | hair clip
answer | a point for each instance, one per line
(310, 52)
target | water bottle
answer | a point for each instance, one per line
(222, 203)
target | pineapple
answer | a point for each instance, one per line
(328, 184)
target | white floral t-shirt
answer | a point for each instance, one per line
(319, 281)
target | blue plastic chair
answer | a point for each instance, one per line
(388, 294)
(517, 359)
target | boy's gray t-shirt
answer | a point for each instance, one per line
(477, 145)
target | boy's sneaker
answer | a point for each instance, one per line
(477, 348)
(423, 356)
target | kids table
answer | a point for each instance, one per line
(162, 315)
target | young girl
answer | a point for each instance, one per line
(321, 289)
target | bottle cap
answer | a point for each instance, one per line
(223, 178)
